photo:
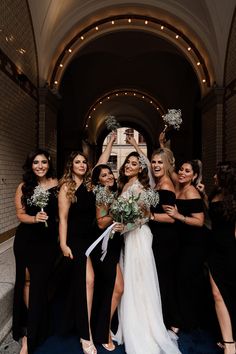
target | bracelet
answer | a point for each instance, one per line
(184, 219)
(34, 220)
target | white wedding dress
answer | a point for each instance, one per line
(141, 326)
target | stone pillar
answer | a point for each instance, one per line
(212, 133)
(47, 130)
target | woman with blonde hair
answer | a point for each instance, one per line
(77, 213)
(165, 237)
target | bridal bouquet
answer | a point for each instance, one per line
(39, 198)
(111, 123)
(172, 119)
(131, 211)
(126, 210)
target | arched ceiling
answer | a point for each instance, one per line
(207, 22)
(171, 50)
(132, 75)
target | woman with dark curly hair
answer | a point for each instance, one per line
(77, 215)
(35, 249)
(108, 286)
(141, 325)
(222, 258)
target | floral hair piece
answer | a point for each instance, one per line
(111, 123)
(142, 161)
(173, 118)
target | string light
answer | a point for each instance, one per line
(169, 29)
(126, 93)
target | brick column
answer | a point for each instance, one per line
(212, 133)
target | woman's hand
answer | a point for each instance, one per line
(118, 227)
(130, 139)
(172, 211)
(162, 139)
(113, 136)
(41, 216)
(201, 188)
(66, 251)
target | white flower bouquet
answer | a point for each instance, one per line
(39, 199)
(111, 123)
(172, 119)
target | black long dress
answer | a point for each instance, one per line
(222, 257)
(105, 275)
(165, 249)
(80, 235)
(35, 248)
(191, 270)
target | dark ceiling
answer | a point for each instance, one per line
(137, 61)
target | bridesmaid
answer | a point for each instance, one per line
(108, 287)
(77, 215)
(189, 216)
(222, 258)
(35, 250)
(165, 237)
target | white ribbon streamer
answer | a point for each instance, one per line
(105, 237)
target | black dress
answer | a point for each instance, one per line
(80, 235)
(105, 276)
(222, 257)
(35, 248)
(165, 250)
(191, 270)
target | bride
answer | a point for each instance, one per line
(141, 326)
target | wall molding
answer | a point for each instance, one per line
(21, 80)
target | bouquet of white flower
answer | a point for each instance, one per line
(126, 210)
(39, 198)
(172, 119)
(111, 123)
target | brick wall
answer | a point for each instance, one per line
(17, 138)
(230, 96)
(18, 103)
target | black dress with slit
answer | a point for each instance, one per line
(222, 257)
(191, 277)
(105, 276)
(80, 235)
(165, 249)
(35, 248)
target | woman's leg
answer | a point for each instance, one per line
(118, 290)
(24, 347)
(116, 296)
(88, 346)
(223, 319)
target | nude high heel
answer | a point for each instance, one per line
(88, 347)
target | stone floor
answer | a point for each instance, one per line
(196, 342)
